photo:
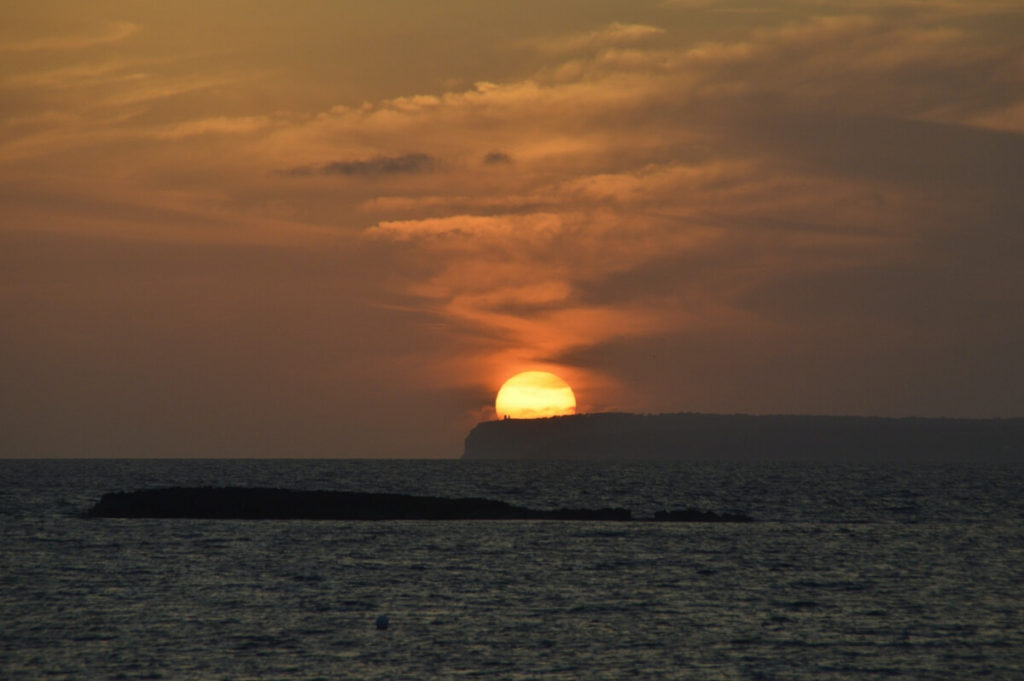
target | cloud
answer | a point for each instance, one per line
(615, 33)
(497, 158)
(516, 226)
(74, 76)
(112, 33)
(1009, 118)
(378, 165)
(694, 180)
(222, 125)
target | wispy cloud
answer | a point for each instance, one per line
(517, 226)
(378, 165)
(78, 75)
(112, 33)
(614, 34)
(221, 125)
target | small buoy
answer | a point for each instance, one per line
(382, 622)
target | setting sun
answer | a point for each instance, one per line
(534, 394)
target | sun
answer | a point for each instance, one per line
(534, 395)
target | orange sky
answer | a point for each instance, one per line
(257, 229)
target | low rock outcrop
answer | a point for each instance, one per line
(268, 503)
(260, 503)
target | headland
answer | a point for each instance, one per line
(746, 438)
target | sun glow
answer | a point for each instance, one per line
(533, 395)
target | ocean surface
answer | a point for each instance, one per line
(849, 573)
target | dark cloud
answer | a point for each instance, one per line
(298, 171)
(381, 165)
(497, 158)
(935, 155)
(378, 165)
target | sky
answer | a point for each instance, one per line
(333, 229)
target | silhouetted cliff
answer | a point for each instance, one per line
(742, 437)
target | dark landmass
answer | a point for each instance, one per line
(281, 504)
(746, 438)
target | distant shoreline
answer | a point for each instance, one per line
(746, 438)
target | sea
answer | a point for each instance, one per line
(848, 572)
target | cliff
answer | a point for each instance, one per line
(743, 437)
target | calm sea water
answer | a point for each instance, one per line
(850, 573)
